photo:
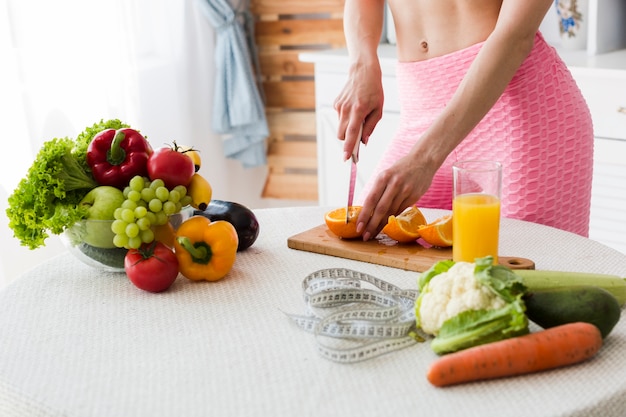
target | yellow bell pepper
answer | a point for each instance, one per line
(206, 250)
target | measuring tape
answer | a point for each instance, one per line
(351, 322)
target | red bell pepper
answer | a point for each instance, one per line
(116, 156)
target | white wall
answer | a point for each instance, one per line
(167, 94)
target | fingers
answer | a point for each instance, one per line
(389, 196)
(380, 203)
(359, 106)
(354, 131)
(373, 211)
(352, 139)
(370, 122)
(349, 127)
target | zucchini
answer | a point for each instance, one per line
(557, 306)
(541, 280)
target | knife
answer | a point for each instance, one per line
(355, 159)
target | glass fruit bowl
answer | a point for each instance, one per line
(91, 242)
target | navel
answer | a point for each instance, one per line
(424, 46)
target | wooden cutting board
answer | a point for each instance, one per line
(383, 251)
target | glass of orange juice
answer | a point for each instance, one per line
(476, 210)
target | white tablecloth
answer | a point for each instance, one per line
(77, 342)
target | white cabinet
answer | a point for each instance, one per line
(602, 79)
(608, 196)
(603, 83)
(605, 93)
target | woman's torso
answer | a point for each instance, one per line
(430, 28)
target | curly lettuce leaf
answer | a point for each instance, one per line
(47, 199)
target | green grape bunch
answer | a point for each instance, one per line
(147, 204)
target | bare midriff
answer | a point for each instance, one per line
(430, 28)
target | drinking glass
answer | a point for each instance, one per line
(476, 210)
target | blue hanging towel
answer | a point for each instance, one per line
(238, 108)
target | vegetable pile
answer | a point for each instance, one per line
(47, 199)
(478, 315)
(114, 195)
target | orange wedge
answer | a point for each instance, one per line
(405, 226)
(336, 222)
(439, 232)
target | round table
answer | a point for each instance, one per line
(78, 342)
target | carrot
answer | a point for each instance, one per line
(546, 349)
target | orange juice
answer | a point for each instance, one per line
(475, 227)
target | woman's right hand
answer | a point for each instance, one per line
(360, 103)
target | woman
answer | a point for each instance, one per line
(476, 81)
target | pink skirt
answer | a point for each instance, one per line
(540, 130)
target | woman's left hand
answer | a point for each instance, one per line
(395, 189)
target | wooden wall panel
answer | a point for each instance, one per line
(279, 64)
(285, 124)
(291, 186)
(283, 30)
(263, 8)
(298, 95)
(289, 33)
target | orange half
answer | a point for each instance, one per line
(405, 226)
(336, 222)
(439, 232)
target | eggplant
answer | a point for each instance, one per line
(240, 216)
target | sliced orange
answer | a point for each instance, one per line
(439, 232)
(336, 222)
(405, 226)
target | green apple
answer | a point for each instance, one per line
(101, 203)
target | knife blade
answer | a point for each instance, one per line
(353, 169)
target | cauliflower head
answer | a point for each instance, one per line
(453, 292)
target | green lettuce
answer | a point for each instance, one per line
(47, 199)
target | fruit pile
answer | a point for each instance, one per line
(114, 195)
(410, 226)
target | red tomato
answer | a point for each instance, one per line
(170, 165)
(153, 267)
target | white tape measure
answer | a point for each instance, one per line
(352, 323)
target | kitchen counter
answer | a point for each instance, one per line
(78, 342)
